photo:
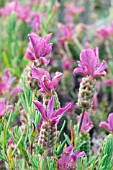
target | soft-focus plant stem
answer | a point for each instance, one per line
(80, 125)
(45, 159)
(5, 136)
(77, 44)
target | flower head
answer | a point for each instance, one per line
(86, 124)
(67, 63)
(2, 108)
(6, 82)
(71, 11)
(36, 22)
(16, 90)
(9, 8)
(108, 125)
(104, 32)
(23, 12)
(108, 83)
(40, 47)
(50, 115)
(47, 86)
(67, 32)
(68, 159)
(89, 64)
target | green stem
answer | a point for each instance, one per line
(5, 137)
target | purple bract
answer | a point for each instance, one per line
(89, 64)
(50, 115)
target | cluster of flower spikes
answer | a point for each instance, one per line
(50, 109)
(90, 68)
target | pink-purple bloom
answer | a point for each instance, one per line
(44, 81)
(108, 83)
(67, 32)
(23, 12)
(106, 31)
(38, 49)
(6, 82)
(3, 107)
(71, 11)
(87, 124)
(50, 115)
(36, 22)
(89, 64)
(68, 159)
(109, 124)
(67, 63)
(16, 90)
(9, 8)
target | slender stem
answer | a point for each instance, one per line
(5, 137)
(45, 159)
(31, 147)
(80, 125)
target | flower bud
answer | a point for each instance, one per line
(47, 137)
(86, 92)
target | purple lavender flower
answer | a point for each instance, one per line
(67, 63)
(67, 32)
(103, 32)
(47, 86)
(108, 125)
(38, 49)
(23, 12)
(16, 90)
(41, 47)
(108, 83)
(87, 124)
(106, 31)
(36, 22)
(9, 8)
(6, 82)
(71, 11)
(48, 123)
(2, 108)
(29, 54)
(50, 115)
(68, 159)
(89, 64)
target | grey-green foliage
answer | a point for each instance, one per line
(85, 140)
(106, 160)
